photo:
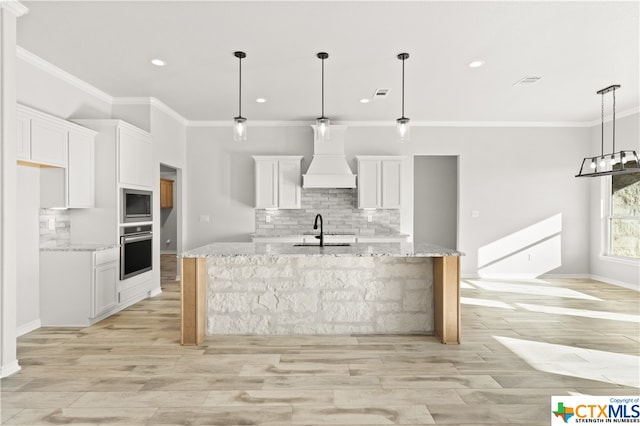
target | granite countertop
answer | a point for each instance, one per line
(68, 246)
(288, 249)
(333, 234)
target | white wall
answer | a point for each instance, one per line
(169, 135)
(605, 268)
(435, 200)
(8, 180)
(221, 177)
(28, 250)
(516, 178)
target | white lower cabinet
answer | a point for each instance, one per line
(77, 288)
(105, 281)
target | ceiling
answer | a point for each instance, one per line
(576, 47)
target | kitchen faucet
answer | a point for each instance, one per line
(315, 226)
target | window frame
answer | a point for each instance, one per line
(607, 219)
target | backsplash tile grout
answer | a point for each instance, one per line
(339, 211)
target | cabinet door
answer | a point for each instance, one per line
(289, 184)
(105, 295)
(266, 184)
(127, 157)
(81, 171)
(48, 143)
(369, 182)
(166, 193)
(24, 137)
(145, 162)
(391, 186)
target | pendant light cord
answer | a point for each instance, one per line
(402, 87)
(322, 88)
(240, 89)
(602, 126)
(614, 120)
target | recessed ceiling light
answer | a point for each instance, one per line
(261, 100)
(476, 64)
(365, 100)
(158, 62)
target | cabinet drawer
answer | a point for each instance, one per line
(106, 256)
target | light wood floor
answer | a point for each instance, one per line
(523, 341)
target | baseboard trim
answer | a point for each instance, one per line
(618, 283)
(154, 292)
(9, 369)
(178, 277)
(624, 284)
(28, 327)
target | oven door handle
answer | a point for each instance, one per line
(136, 238)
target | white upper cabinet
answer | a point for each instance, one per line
(266, 183)
(42, 138)
(135, 157)
(81, 170)
(24, 136)
(379, 182)
(278, 182)
(74, 185)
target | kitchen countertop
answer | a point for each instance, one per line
(288, 249)
(333, 234)
(68, 246)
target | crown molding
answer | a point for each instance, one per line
(622, 114)
(63, 75)
(154, 102)
(15, 7)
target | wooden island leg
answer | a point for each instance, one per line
(193, 301)
(446, 294)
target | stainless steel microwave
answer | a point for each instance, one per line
(137, 205)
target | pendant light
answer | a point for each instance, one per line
(322, 122)
(616, 163)
(402, 123)
(239, 122)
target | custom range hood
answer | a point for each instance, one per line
(329, 167)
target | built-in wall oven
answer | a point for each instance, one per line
(136, 250)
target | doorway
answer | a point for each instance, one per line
(435, 208)
(170, 220)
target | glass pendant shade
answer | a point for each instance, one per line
(323, 129)
(403, 128)
(239, 129)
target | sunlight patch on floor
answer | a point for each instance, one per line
(485, 302)
(580, 312)
(603, 366)
(535, 290)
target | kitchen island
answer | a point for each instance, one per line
(281, 288)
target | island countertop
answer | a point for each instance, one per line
(289, 249)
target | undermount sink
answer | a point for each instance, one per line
(325, 245)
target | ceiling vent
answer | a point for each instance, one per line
(380, 94)
(527, 81)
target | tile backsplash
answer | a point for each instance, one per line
(339, 211)
(61, 222)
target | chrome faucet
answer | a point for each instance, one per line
(315, 226)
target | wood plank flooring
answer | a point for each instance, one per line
(523, 341)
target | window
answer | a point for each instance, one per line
(624, 217)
